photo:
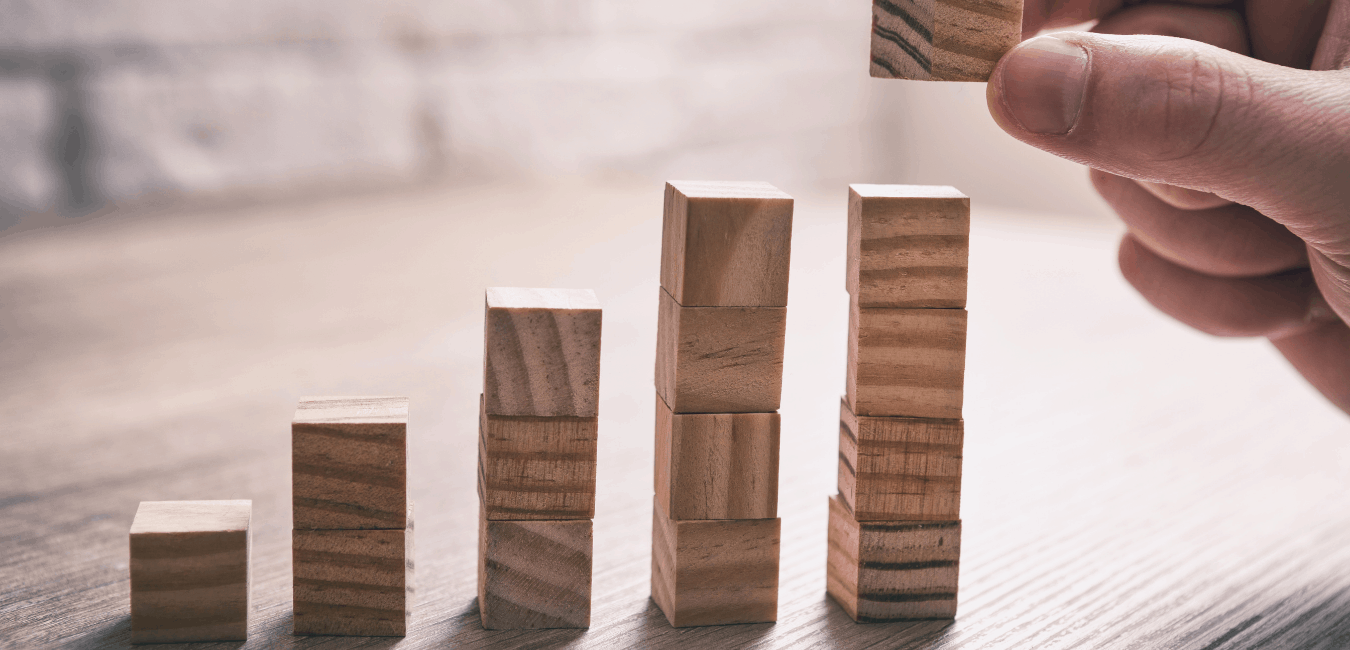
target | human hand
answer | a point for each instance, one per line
(1231, 172)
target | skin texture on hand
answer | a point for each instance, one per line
(1226, 157)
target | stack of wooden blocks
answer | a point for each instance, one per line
(719, 372)
(895, 527)
(352, 543)
(538, 426)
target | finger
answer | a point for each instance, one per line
(1272, 306)
(1217, 26)
(1322, 355)
(1183, 198)
(1285, 32)
(1230, 241)
(1333, 50)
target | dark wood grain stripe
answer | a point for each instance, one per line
(150, 578)
(900, 527)
(144, 623)
(359, 474)
(904, 45)
(309, 608)
(893, 9)
(395, 519)
(847, 465)
(384, 433)
(351, 586)
(888, 448)
(913, 242)
(351, 560)
(906, 597)
(918, 481)
(1003, 11)
(913, 273)
(908, 566)
(171, 546)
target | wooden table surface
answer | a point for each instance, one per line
(1128, 483)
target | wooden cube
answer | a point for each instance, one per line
(717, 466)
(908, 246)
(353, 582)
(542, 352)
(534, 574)
(892, 570)
(190, 571)
(719, 359)
(942, 40)
(536, 468)
(906, 362)
(900, 468)
(726, 244)
(716, 572)
(349, 463)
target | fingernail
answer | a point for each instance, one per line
(1043, 82)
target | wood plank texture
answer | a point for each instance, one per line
(908, 246)
(717, 572)
(534, 574)
(717, 466)
(719, 359)
(726, 244)
(536, 468)
(942, 40)
(349, 463)
(900, 468)
(892, 571)
(190, 573)
(353, 582)
(542, 352)
(906, 362)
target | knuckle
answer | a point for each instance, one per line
(1183, 98)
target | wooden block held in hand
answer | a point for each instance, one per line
(893, 570)
(900, 468)
(353, 582)
(719, 572)
(349, 463)
(542, 352)
(717, 466)
(534, 574)
(942, 40)
(190, 571)
(719, 359)
(726, 244)
(908, 246)
(536, 468)
(906, 362)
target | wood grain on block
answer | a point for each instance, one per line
(908, 246)
(902, 39)
(906, 362)
(190, 571)
(892, 570)
(900, 468)
(534, 574)
(726, 244)
(349, 463)
(719, 359)
(942, 40)
(542, 352)
(353, 582)
(536, 468)
(717, 466)
(718, 572)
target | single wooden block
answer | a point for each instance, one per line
(892, 570)
(719, 359)
(718, 572)
(717, 466)
(542, 352)
(353, 582)
(349, 463)
(726, 244)
(908, 246)
(906, 362)
(536, 468)
(534, 574)
(190, 571)
(942, 40)
(900, 468)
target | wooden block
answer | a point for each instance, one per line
(900, 468)
(536, 468)
(908, 246)
(726, 244)
(534, 574)
(353, 582)
(190, 571)
(906, 362)
(717, 466)
(719, 359)
(942, 40)
(542, 352)
(718, 572)
(349, 463)
(893, 570)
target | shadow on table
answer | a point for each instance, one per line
(839, 631)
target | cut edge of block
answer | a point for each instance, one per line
(879, 191)
(541, 298)
(695, 189)
(352, 409)
(212, 516)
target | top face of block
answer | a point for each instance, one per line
(520, 298)
(726, 244)
(159, 517)
(351, 410)
(542, 353)
(942, 40)
(908, 246)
